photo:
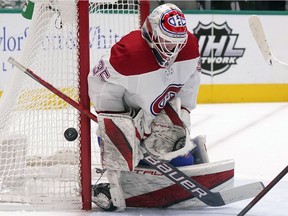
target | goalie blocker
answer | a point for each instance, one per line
(120, 148)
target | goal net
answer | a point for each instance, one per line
(39, 168)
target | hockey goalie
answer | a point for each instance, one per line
(143, 92)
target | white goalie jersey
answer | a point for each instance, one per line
(130, 78)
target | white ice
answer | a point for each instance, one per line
(255, 135)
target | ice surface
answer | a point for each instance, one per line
(255, 135)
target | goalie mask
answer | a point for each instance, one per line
(166, 33)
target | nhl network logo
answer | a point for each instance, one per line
(218, 51)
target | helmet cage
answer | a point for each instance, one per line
(168, 49)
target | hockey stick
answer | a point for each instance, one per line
(168, 170)
(264, 191)
(260, 37)
(52, 89)
(200, 192)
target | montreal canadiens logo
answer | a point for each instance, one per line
(173, 23)
(160, 102)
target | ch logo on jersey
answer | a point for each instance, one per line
(173, 23)
(160, 102)
(218, 47)
(101, 71)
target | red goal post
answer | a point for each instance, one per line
(39, 169)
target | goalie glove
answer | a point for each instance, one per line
(182, 112)
(185, 117)
(169, 138)
(166, 146)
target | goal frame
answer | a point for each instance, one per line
(85, 125)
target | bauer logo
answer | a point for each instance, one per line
(218, 45)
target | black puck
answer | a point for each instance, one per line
(70, 134)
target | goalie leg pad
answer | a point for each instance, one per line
(120, 148)
(200, 152)
(116, 191)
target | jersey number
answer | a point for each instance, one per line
(101, 71)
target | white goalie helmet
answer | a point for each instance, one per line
(166, 33)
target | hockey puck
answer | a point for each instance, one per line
(70, 134)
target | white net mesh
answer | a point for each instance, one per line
(38, 166)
